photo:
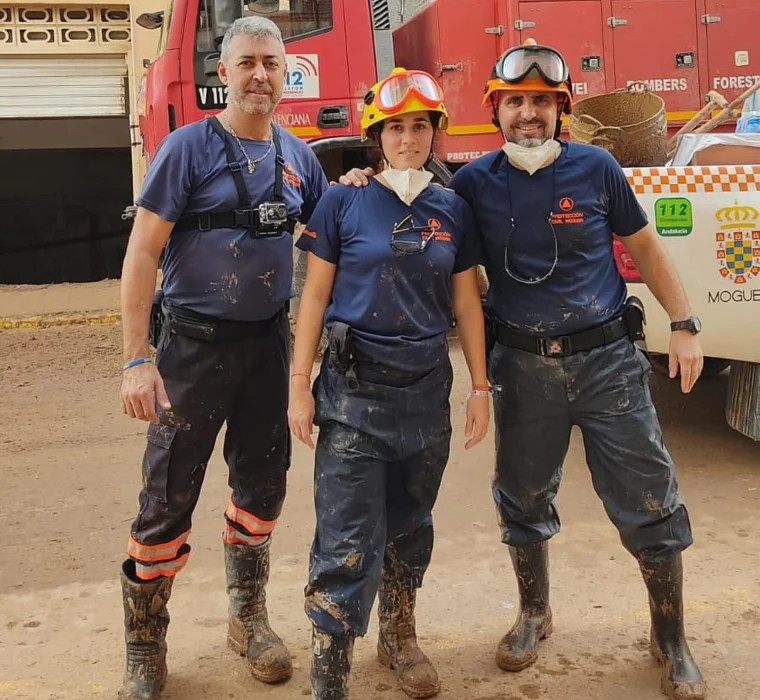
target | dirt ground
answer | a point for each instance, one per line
(70, 477)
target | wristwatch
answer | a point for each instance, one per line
(691, 324)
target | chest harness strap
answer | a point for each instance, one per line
(265, 220)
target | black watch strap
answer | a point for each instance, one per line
(690, 324)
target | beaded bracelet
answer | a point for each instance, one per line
(135, 362)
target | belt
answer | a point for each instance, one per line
(238, 218)
(194, 325)
(565, 344)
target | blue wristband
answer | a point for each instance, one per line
(135, 362)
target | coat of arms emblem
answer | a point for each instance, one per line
(738, 243)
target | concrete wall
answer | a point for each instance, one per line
(67, 181)
(402, 10)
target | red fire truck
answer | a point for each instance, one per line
(680, 49)
(336, 49)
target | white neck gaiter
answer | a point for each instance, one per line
(407, 184)
(533, 158)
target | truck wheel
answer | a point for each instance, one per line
(713, 365)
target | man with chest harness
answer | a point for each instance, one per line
(561, 351)
(222, 196)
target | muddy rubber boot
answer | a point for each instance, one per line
(248, 631)
(145, 622)
(681, 678)
(397, 642)
(330, 665)
(518, 649)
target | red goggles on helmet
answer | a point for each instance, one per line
(516, 64)
(393, 92)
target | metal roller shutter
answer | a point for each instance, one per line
(62, 86)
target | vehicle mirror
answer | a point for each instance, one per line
(151, 20)
(264, 7)
(209, 64)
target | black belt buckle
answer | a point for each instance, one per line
(554, 347)
(244, 218)
(204, 222)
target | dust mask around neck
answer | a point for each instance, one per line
(533, 158)
(407, 184)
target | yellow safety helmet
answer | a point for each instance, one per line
(402, 92)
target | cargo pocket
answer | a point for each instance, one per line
(157, 459)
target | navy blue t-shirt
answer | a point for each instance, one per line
(587, 192)
(227, 273)
(398, 305)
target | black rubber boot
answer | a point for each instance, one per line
(397, 642)
(248, 631)
(145, 622)
(330, 665)
(663, 576)
(518, 649)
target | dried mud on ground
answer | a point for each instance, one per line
(70, 477)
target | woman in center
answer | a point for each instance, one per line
(389, 267)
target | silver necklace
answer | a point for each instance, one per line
(251, 163)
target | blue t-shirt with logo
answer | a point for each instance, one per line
(398, 305)
(589, 199)
(227, 273)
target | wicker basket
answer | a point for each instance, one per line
(630, 123)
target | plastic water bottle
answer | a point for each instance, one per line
(748, 123)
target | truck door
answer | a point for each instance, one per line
(576, 29)
(733, 33)
(655, 41)
(468, 51)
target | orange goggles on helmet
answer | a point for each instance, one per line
(395, 90)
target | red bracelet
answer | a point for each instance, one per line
(481, 387)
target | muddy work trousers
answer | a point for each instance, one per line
(380, 458)
(243, 383)
(605, 392)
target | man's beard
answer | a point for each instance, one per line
(524, 141)
(258, 105)
(532, 142)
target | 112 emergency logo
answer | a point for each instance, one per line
(738, 243)
(302, 80)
